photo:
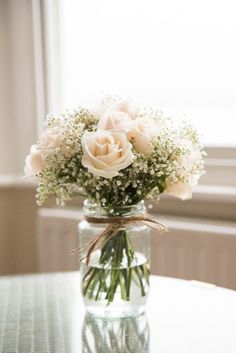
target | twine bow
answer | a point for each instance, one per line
(113, 225)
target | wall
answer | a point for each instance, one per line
(36, 239)
(17, 85)
(18, 130)
(18, 214)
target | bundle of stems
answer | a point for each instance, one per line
(115, 271)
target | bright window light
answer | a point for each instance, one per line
(177, 55)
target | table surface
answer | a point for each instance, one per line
(45, 314)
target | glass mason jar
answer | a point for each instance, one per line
(115, 280)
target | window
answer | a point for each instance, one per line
(177, 55)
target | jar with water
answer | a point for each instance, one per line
(115, 278)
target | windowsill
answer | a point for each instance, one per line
(215, 193)
(221, 152)
(16, 181)
(176, 223)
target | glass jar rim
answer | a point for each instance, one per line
(92, 208)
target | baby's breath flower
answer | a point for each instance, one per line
(169, 162)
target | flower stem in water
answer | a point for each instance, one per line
(115, 271)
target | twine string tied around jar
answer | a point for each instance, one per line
(114, 224)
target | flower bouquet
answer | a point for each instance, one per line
(116, 155)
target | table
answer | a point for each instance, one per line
(45, 314)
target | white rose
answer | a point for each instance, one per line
(183, 189)
(34, 162)
(142, 132)
(105, 153)
(127, 107)
(119, 116)
(193, 155)
(124, 116)
(50, 139)
(111, 120)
